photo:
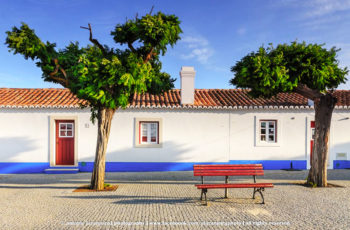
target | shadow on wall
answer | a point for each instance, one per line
(178, 159)
(13, 146)
(344, 161)
(10, 153)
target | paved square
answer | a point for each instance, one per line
(169, 200)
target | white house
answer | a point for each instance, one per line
(42, 130)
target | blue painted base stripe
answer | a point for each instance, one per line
(6, 168)
(23, 167)
(138, 166)
(275, 164)
(187, 166)
(341, 164)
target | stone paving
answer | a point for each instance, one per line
(169, 200)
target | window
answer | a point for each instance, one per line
(149, 132)
(66, 130)
(268, 130)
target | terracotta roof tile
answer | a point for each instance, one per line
(204, 98)
(13, 97)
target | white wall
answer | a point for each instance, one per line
(24, 133)
(291, 135)
(188, 135)
(340, 134)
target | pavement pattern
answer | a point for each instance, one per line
(169, 200)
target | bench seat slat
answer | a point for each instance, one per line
(240, 165)
(228, 168)
(229, 174)
(245, 185)
(229, 171)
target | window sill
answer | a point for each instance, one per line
(148, 146)
(262, 144)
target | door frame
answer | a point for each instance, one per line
(53, 140)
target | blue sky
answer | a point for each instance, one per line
(216, 33)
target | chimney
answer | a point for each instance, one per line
(187, 75)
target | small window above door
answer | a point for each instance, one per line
(66, 130)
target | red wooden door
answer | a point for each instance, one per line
(312, 126)
(64, 142)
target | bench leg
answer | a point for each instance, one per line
(259, 190)
(204, 191)
(226, 190)
(205, 195)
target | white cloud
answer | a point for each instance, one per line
(198, 49)
(241, 31)
(317, 8)
(193, 42)
(317, 14)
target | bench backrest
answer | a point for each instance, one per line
(228, 170)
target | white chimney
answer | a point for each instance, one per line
(187, 75)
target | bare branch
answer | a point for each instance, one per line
(63, 82)
(93, 40)
(136, 16)
(151, 10)
(307, 92)
(149, 55)
(131, 47)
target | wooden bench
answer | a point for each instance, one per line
(230, 170)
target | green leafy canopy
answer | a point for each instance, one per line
(272, 70)
(105, 77)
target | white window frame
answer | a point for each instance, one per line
(138, 143)
(278, 131)
(149, 132)
(65, 130)
(267, 131)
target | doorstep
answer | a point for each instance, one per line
(62, 170)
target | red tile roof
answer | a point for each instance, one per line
(42, 98)
(204, 98)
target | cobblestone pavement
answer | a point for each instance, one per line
(169, 200)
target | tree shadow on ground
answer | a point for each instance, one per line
(142, 200)
(160, 200)
(122, 199)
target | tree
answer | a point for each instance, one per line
(308, 69)
(105, 77)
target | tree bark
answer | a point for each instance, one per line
(104, 118)
(324, 107)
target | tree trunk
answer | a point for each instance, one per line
(324, 106)
(104, 118)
